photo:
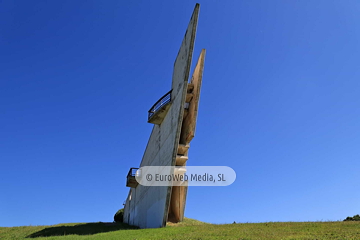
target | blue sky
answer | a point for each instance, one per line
(279, 104)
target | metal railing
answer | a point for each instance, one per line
(130, 178)
(132, 172)
(160, 103)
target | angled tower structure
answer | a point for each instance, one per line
(174, 117)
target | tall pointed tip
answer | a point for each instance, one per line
(197, 7)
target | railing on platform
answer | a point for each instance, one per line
(159, 104)
(130, 178)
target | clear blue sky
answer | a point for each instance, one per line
(280, 104)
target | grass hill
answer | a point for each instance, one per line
(189, 229)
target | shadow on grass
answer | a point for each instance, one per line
(81, 229)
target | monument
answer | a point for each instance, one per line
(174, 117)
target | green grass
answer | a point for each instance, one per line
(189, 229)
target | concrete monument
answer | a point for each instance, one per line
(174, 117)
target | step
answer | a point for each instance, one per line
(181, 160)
(182, 149)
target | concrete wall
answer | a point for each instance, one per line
(189, 123)
(147, 207)
(179, 193)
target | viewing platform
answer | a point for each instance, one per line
(158, 111)
(130, 178)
